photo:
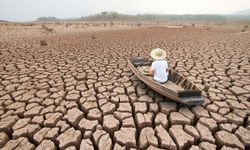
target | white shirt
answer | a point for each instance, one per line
(160, 73)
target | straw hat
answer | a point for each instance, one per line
(158, 53)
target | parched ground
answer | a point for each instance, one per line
(70, 94)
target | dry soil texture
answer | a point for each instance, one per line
(69, 94)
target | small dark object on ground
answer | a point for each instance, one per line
(43, 43)
(47, 29)
(93, 37)
(245, 28)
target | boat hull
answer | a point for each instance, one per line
(190, 100)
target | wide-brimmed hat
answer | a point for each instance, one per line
(158, 53)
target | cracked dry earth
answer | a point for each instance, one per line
(70, 94)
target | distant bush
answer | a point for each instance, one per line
(46, 19)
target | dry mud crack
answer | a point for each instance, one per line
(69, 95)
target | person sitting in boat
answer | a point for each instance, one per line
(159, 67)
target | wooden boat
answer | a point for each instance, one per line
(177, 88)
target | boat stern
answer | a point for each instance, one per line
(193, 100)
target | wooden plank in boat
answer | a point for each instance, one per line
(171, 85)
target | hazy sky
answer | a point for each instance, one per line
(28, 10)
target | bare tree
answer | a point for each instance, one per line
(111, 24)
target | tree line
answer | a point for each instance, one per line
(115, 16)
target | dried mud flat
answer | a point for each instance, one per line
(70, 94)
